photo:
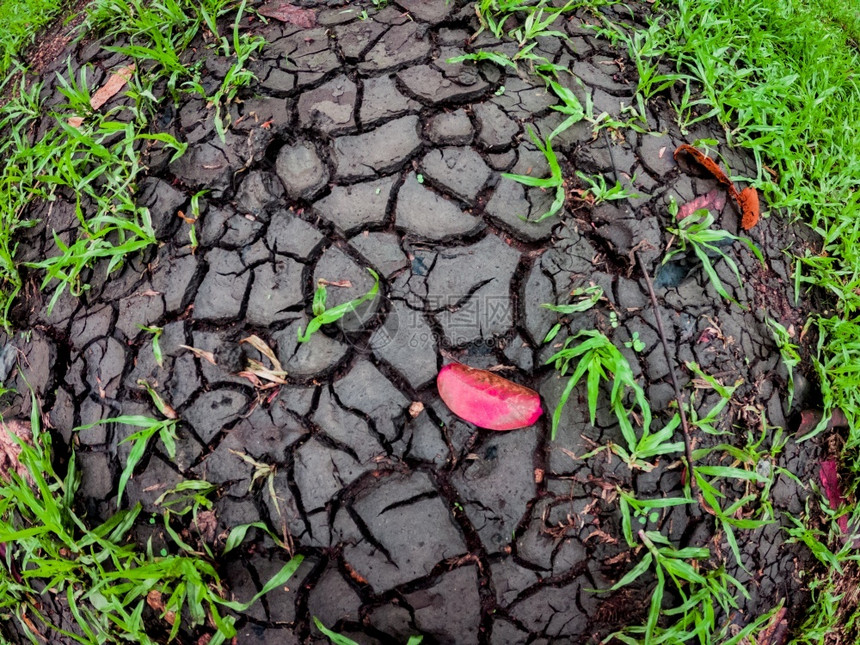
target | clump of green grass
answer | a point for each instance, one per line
(695, 232)
(323, 316)
(22, 20)
(99, 161)
(103, 577)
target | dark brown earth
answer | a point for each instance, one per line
(360, 147)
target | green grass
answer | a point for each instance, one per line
(781, 77)
(694, 233)
(98, 572)
(22, 20)
(99, 162)
(323, 316)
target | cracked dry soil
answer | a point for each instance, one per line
(359, 146)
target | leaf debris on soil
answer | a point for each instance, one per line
(285, 12)
(106, 92)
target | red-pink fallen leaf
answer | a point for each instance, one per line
(487, 399)
(809, 420)
(304, 18)
(713, 201)
(830, 483)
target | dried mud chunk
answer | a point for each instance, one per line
(333, 599)
(573, 428)
(497, 486)
(253, 634)
(522, 99)
(87, 325)
(172, 278)
(417, 534)
(305, 53)
(96, 475)
(423, 212)
(301, 170)
(496, 130)
(163, 202)
(183, 381)
(510, 580)
(382, 101)
(460, 171)
(289, 235)
(347, 428)
(432, 11)
(382, 250)
(321, 472)
(147, 486)
(555, 611)
(432, 86)
(256, 111)
(600, 71)
(367, 390)
(402, 44)
(211, 164)
(655, 153)
(393, 620)
(136, 310)
(470, 286)
(510, 204)
(277, 287)
(310, 359)
(379, 151)
(354, 38)
(335, 265)
(357, 205)
(105, 362)
(223, 289)
(281, 600)
(505, 633)
(450, 610)
(408, 344)
(258, 191)
(451, 128)
(329, 108)
(212, 411)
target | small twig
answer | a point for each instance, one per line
(685, 428)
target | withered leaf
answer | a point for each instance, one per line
(10, 451)
(285, 12)
(106, 92)
(114, 84)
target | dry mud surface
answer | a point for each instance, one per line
(360, 147)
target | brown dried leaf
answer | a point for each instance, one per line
(107, 91)
(199, 353)
(776, 633)
(345, 284)
(114, 84)
(156, 603)
(285, 12)
(602, 536)
(10, 451)
(260, 345)
(206, 524)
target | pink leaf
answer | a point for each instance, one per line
(713, 201)
(830, 482)
(285, 12)
(486, 399)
